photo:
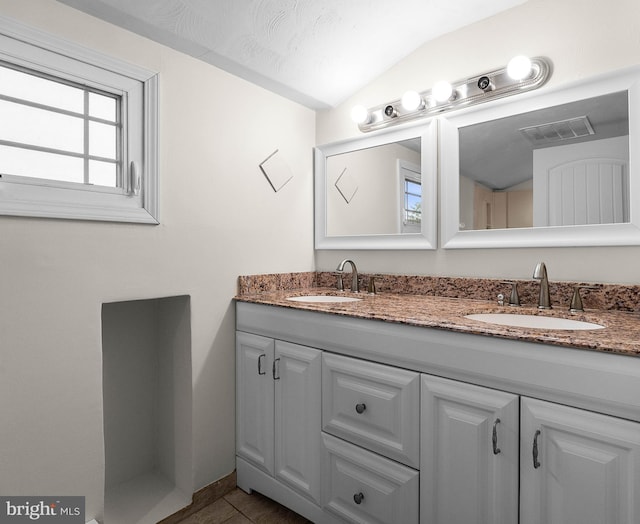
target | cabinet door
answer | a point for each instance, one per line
(577, 467)
(254, 400)
(298, 417)
(469, 454)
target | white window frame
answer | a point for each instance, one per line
(402, 168)
(138, 200)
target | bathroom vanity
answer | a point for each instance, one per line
(398, 409)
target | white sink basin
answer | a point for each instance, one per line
(533, 321)
(323, 298)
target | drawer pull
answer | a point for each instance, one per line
(494, 439)
(358, 498)
(360, 409)
(261, 371)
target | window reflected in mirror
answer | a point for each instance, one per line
(411, 194)
(558, 166)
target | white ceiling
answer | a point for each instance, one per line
(316, 52)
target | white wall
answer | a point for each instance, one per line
(582, 38)
(219, 218)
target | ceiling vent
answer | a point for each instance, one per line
(553, 132)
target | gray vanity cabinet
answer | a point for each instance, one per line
(363, 487)
(372, 405)
(469, 453)
(254, 400)
(370, 472)
(479, 444)
(278, 410)
(508, 431)
(577, 466)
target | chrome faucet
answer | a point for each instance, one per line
(354, 275)
(540, 273)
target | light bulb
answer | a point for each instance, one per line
(442, 91)
(519, 67)
(411, 101)
(360, 114)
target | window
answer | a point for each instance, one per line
(55, 131)
(411, 197)
(78, 131)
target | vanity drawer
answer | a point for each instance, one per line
(372, 405)
(361, 486)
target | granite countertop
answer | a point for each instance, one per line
(621, 334)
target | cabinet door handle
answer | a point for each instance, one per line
(358, 498)
(260, 370)
(494, 438)
(273, 369)
(536, 464)
(360, 408)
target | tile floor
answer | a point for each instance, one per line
(236, 507)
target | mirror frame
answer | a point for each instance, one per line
(627, 233)
(427, 238)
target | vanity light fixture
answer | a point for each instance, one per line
(520, 75)
(443, 91)
(519, 67)
(412, 101)
(360, 115)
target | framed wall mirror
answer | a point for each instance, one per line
(553, 168)
(378, 191)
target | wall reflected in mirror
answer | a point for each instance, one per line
(558, 166)
(375, 191)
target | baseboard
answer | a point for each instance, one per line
(203, 497)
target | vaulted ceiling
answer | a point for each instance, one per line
(315, 52)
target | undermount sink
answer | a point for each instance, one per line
(323, 298)
(533, 321)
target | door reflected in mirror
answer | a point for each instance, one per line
(558, 166)
(375, 191)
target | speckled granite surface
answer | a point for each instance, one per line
(441, 302)
(251, 284)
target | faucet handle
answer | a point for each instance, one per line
(371, 287)
(576, 305)
(514, 299)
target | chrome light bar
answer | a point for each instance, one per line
(448, 97)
